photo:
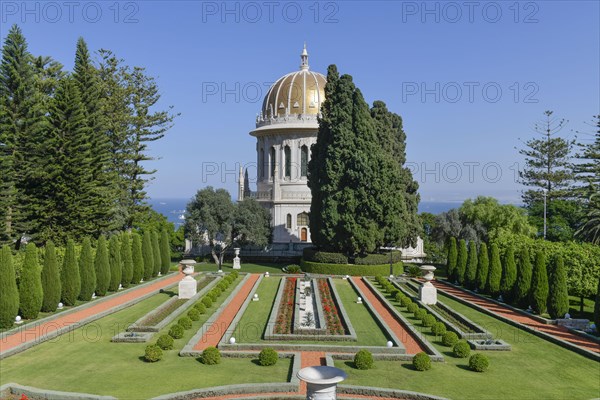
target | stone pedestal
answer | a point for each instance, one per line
(428, 293)
(188, 285)
(236, 260)
(321, 382)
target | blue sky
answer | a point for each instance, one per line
(470, 79)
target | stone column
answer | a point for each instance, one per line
(428, 292)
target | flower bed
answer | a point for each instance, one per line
(332, 316)
(285, 314)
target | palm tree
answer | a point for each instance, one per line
(590, 230)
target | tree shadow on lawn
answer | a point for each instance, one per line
(169, 293)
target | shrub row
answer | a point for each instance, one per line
(378, 259)
(323, 257)
(349, 269)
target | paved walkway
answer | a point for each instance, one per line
(215, 332)
(409, 342)
(554, 330)
(37, 332)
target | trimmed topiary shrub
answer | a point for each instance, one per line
(115, 262)
(102, 267)
(200, 307)
(495, 272)
(483, 266)
(126, 258)
(165, 342)
(378, 259)
(267, 357)
(421, 362)
(153, 353)
(193, 314)
(399, 296)
(363, 359)
(210, 356)
(412, 307)
(87, 271)
(69, 276)
(185, 322)
(479, 362)
(420, 314)
(438, 329)
(461, 264)
(449, 339)
(207, 301)
(155, 253)
(30, 286)
(452, 258)
(165, 252)
(539, 284)
(509, 276)
(50, 279)
(147, 255)
(311, 254)
(234, 274)
(523, 284)
(176, 331)
(461, 349)
(471, 270)
(137, 258)
(429, 320)
(406, 302)
(558, 298)
(9, 293)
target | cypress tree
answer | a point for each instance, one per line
(483, 265)
(31, 293)
(165, 252)
(461, 263)
(539, 284)
(127, 275)
(147, 255)
(137, 259)
(523, 284)
(9, 293)
(116, 264)
(102, 266)
(50, 279)
(70, 276)
(558, 298)
(495, 274)
(452, 259)
(471, 271)
(87, 271)
(509, 276)
(155, 253)
(597, 308)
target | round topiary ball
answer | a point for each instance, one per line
(185, 322)
(399, 296)
(421, 362)
(267, 357)
(420, 314)
(153, 353)
(363, 359)
(176, 331)
(200, 307)
(429, 320)
(479, 362)
(461, 349)
(412, 307)
(165, 342)
(207, 301)
(438, 329)
(193, 314)
(406, 302)
(449, 339)
(211, 356)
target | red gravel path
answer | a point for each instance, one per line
(36, 332)
(554, 330)
(409, 342)
(215, 332)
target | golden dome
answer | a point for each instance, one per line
(297, 93)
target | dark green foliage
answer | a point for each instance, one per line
(597, 308)
(349, 269)
(9, 293)
(50, 279)
(193, 314)
(137, 258)
(127, 260)
(165, 342)
(509, 276)
(207, 301)
(176, 331)
(461, 349)
(539, 284)
(293, 269)
(471, 271)
(30, 285)
(414, 271)
(251, 223)
(165, 252)
(399, 296)
(429, 320)
(452, 258)
(116, 265)
(211, 356)
(155, 253)
(363, 359)
(461, 262)
(421, 362)
(87, 271)
(406, 302)
(312, 254)
(479, 362)
(102, 267)
(267, 357)
(200, 307)
(438, 329)
(483, 264)
(147, 255)
(70, 277)
(412, 308)
(558, 298)
(523, 284)
(495, 273)
(378, 259)
(185, 322)
(153, 353)
(449, 339)
(420, 314)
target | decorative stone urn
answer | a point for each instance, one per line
(236, 260)
(187, 286)
(321, 382)
(428, 292)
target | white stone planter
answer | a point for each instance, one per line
(321, 381)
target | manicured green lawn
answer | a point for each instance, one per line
(252, 325)
(534, 369)
(588, 308)
(86, 361)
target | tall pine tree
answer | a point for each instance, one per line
(50, 279)
(9, 292)
(70, 276)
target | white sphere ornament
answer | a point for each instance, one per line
(389, 344)
(391, 276)
(267, 274)
(255, 297)
(94, 295)
(359, 300)
(18, 319)
(232, 340)
(60, 306)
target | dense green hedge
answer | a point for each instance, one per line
(311, 254)
(350, 269)
(378, 259)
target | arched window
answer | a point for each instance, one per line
(261, 164)
(288, 221)
(288, 161)
(304, 161)
(272, 160)
(302, 219)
